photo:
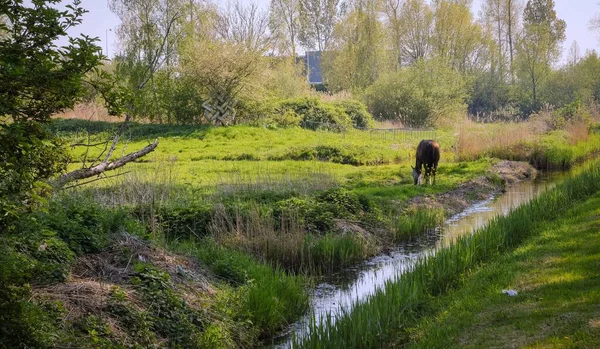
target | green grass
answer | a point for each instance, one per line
(557, 276)
(388, 315)
(252, 143)
(266, 296)
(417, 221)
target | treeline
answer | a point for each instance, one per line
(412, 61)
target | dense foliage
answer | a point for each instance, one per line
(38, 80)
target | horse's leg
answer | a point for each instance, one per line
(434, 171)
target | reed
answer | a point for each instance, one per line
(267, 297)
(386, 316)
(416, 221)
(287, 243)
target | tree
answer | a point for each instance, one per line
(317, 20)
(150, 32)
(245, 26)
(539, 45)
(416, 21)
(358, 54)
(39, 79)
(574, 54)
(393, 11)
(285, 20)
(594, 24)
(456, 38)
(501, 17)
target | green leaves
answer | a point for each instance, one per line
(39, 78)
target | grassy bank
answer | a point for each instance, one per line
(556, 274)
(87, 276)
(388, 315)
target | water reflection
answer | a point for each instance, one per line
(355, 285)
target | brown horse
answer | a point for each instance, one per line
(428, 155)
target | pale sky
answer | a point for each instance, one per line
(100, 22)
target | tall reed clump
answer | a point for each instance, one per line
(417, 221)
(285, 241)
(505, 141)
(389, 312)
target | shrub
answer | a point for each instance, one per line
(341, 202)
(190, 221)
(316, 115)
(357, 112)
(85, 226)
(419, 95)
(172, 317)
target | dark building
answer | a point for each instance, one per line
(313, 65)
(311, 62)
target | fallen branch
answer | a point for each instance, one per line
(105, 165)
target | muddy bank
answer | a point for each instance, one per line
(503, 174)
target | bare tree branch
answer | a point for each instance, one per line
(104, 166)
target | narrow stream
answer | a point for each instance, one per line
(355, 285)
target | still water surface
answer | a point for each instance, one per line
(343, 290)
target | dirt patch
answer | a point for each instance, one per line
(500, 176)
(514, 171)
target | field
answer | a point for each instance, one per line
(213, 239)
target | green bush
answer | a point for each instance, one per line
(357, 112)
(190, 221)
(171, 315)
(288, 118)
(341, 202)
(316, 115)
(418, 96)
(85, 226)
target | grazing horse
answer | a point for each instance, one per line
(428, 155)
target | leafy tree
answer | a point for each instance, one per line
(539, 45)
(502, 18)
(224, 72)
(39, 79)
(317, 20)
(150, 33)
(456, 38)
(416, 25)
(358, 54)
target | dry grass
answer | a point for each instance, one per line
(89, 111)
(155, 186)
(257, 234)
(388, 124)
(577, 131)
(334, 97)
(474, 140)
(304, 182)
(115, 265)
